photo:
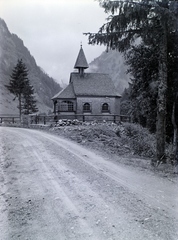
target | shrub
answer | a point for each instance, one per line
(139, 139)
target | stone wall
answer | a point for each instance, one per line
(96, 109)
(96, 104)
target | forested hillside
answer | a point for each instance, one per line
(11, 49)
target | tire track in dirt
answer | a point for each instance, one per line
(39, 145)
(123, 177)
(101, 222)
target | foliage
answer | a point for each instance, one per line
(20, 87)
(143, 62)
(130, 20)
(125, 107)
(29, 103)
(151, 22)
(144, 65)
(18, 79)
(139, 139)
(122, 139)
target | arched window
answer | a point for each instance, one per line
(86, 107)
(105, 107)
(66, 106)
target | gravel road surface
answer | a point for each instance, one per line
(54, 189)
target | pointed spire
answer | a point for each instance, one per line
(81, 62)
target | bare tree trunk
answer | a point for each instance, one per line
(161, 101)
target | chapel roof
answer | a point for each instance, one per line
(81, 61)
(93, 84)
(65, 93)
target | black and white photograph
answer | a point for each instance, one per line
(88, 120)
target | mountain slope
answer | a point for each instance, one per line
(112, 63)
(11, 49)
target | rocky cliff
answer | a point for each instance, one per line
(112, 63)
(11, 49)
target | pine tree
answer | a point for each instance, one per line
(29, 103)
(142, 19)
(19, 86)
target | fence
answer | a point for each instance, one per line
(9, 119)
(39, 119)
(45, 119)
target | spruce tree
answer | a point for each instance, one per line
(130, 20)
(20, 87)
(29, 103)
(143, 65)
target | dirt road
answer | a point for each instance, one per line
(54, 189)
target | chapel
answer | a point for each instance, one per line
(89, 95)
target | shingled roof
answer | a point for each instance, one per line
(66, 93)
(81, 61)
(93, 84)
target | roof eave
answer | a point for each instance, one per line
(94, 95)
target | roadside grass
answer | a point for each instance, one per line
(133, 144)
(129, 143)
(123, 139)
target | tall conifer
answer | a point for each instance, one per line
(20, 87)
(130, 20)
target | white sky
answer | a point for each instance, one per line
(53, 30)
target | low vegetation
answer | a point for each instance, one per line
(123, 139)
(130, 143)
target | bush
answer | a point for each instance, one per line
(122, 139)
(139, 139)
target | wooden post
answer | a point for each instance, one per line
(114, 119)
(83, 118)
(44, 120)
(36, 119)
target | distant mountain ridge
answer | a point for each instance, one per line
(11, 49)
(112, 63)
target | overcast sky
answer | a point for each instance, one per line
(53, 30)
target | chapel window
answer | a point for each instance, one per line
(86, 107)
(105, 107)
(67, 106)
